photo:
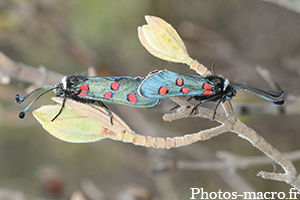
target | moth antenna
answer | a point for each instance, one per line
(22, 113)
(18, 100)
(213, 67)
(275, 98)
(266, 75)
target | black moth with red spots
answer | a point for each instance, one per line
(94, 90)
(161, 84)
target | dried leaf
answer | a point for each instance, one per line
(96, 113)
(79, 123)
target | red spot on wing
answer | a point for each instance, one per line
(115, 85)
(84, 87)
(206, 86)
(108, 95)
(207, 92)
(131, 97)
(179, 81)
(184, 90)
(82, 94)
(163, 90)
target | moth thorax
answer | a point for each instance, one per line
(226, 84)
(64, 82)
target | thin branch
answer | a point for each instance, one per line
(228, 121)
(293, 5)
(9, 194)
(19, 71)
(291, 175)
(243, 131)
(231, 161)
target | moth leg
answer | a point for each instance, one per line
(190, 98)
(175, 107)
(107, 110)
(198, 98)
(179, 105)
(62, 107)
(215, 110)
(193, 112)
(213, 98)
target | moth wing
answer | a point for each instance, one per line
(169, 84)
(121, 90)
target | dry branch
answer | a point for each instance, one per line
(228, 121)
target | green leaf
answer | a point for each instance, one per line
(162, 41)
(80, 122)
(69, 126)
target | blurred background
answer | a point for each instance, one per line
(68, 37)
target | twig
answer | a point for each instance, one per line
(293, 5)
(228, 121)
(231, 161)
(19, 71)
(9, 194)
(236, 126)
(165, 38)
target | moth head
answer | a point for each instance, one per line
(60, 88)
